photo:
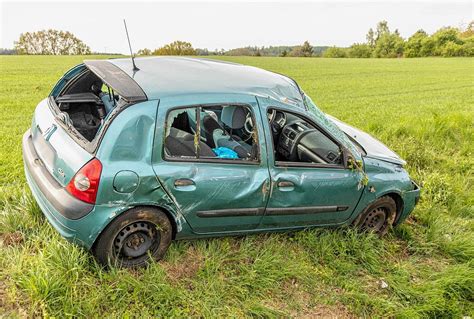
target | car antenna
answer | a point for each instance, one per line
(130, 46)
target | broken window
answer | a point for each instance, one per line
(85, 103)
(297, 140)
(212, 132)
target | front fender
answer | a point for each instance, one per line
(388, 179)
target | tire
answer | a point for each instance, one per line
(378, 216)
(134, 238)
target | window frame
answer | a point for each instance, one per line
(198, 159)
(282, 164)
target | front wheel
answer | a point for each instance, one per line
(378, 216)
(134, 238)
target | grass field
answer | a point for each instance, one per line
(421, 108)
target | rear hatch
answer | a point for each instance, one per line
(59, 146)
(58, 151)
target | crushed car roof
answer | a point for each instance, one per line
(172, 76)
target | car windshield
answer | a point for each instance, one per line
(329, 125)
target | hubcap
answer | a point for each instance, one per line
(134, 240)
(375, 220)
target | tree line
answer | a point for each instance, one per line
(380, 42)
(383, 43)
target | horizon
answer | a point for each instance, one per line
(216, 26)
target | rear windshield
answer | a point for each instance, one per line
(87, 103)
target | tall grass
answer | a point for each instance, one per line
(422, 108)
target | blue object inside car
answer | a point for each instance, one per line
(225, 152)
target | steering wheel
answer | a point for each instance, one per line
(248, 125)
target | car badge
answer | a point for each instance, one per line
(61, 172)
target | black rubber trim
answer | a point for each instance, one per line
(57, 196)
(304, 210)
(239, 212)
(117, 79)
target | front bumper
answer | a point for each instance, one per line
(410, 200)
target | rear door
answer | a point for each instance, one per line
(214, 195)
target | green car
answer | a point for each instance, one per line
(123, 160)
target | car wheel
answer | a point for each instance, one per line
(378, 216)
(134, 238)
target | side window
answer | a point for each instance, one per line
(211, 132)
(298, 141)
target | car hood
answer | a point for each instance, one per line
(372, 147)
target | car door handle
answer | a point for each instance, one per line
(181, 182)
(285, 184)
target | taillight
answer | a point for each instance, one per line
(85, 184)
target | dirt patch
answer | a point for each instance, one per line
(299, 303)
(11, 239)
(185, 267)
(325, 311)
(3, 294)
(7, 307)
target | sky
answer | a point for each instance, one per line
(226, 24)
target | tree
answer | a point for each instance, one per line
(50, 42)
(176, 48)
(468, 32)
(389, 45)
(296, 51)
(360, 50)
(335, 52)
(144, 52)
(382, 29)
(370, 38)
(451, 49)
(202, 51)
(442, 37)
(284, 53)
(427, 46)
(307, 49)
(468, 47)
(386, 44)
(414, 45)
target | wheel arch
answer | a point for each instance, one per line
(167, 211)
(398, 202)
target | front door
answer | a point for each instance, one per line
(309, 183)
(217, 179)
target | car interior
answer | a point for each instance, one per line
(85, 103)
(220, 130)
(296, 140)
(229, 128)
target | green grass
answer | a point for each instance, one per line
(421, 108)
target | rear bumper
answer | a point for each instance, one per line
(54, 200)
(51, 191)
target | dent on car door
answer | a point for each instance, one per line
(214, 194)
(306, 193)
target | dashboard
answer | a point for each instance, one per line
(298, 141)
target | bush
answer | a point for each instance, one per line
(360, 50)
(335, 52)
(451, 49)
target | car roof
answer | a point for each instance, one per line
(167, 76)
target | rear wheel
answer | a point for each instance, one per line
(134, 238)
(378, 216)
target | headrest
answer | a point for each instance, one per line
(234, 116)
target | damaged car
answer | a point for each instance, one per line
(123, 160)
